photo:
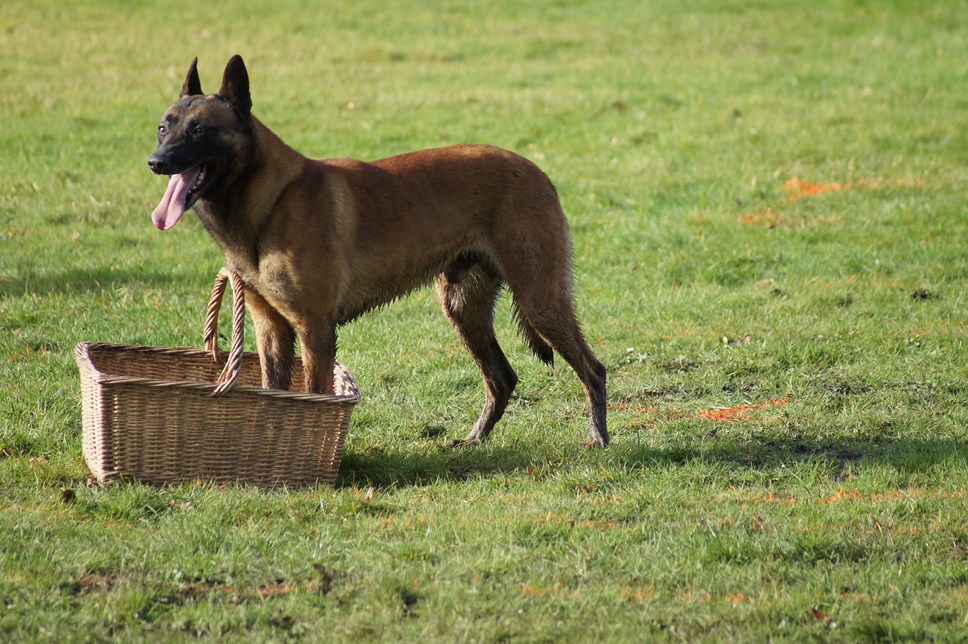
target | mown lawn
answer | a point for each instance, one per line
(768, 205)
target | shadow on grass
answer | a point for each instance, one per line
(383, 468)
(771, 452)
(96, 280)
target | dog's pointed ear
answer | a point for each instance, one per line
(192, 86)
(235, 85)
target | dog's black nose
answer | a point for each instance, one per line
(157, 165)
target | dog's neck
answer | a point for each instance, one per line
(256, 187)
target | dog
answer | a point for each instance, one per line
(318, 243)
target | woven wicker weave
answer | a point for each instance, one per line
(163, 415)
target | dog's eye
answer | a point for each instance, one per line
(198, 130)
(162, 130)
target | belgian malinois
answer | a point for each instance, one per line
(317, 243)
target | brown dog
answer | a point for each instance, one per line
(318, 243)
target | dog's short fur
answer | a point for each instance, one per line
(318, 243)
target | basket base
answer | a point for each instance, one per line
(149, 415)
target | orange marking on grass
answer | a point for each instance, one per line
(689, 595)
(529, 589)
(798, 189)
(638, 593)
(842, 496)
(638, 409)
(738, 414)
(774, 500)
(894, 495)
(768, 217)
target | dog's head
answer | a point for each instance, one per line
(203, 140)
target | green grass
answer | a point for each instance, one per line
(787, 377)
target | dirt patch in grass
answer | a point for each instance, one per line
(797, 190)
(739, 414)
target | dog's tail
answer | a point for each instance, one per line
(535, 342)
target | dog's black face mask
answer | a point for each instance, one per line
(201, 138)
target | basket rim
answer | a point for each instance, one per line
(86, 365)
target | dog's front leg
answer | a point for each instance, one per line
(319, 355)
(276, 341)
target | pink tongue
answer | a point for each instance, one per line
(172, 205)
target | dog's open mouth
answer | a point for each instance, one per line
(183, 191)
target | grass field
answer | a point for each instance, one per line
(768, 205)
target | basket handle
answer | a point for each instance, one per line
(233, 366)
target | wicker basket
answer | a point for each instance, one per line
(163, 415)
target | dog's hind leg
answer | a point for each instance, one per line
(540, 280)
(469, 305)
(554, 320)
